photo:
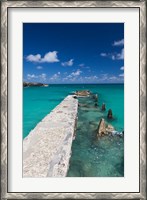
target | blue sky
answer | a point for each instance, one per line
(73, 52)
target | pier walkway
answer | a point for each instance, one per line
(47, 148)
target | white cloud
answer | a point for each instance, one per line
(103, 54)
(120, 56)
(31, 76)
(39, 67)
(58, 73)
(41, 77)
(104, 77)
(90, 78)
(49, 57)
(101, 78)
(34, 58)
(68, 63)
(73, 76)
(118, 43)
(77, 73)
(69, 76)
(73, 79)
(64, 79)
(81, 65)
(113, 78)
(110, 78)
(114, 56)
(55, 76)
(122, 68)
(121, 75)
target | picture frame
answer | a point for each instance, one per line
(5, 6)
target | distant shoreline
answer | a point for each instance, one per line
(80, 84)
(28, 84)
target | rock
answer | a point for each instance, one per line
(95, 97)
(109, 116)
(101, 128)
(116, 133)
(110, 129)
(27, 84)
(96, 105)
(103, 107)
(82, 93)
(121, 134)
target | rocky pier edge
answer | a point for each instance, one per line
(47, 148)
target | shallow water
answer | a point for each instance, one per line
(92, 156)
(39, 101)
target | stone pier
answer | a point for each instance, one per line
(47, 148)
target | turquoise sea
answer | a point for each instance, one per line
(90, 157)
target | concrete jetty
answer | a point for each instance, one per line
(47, 148)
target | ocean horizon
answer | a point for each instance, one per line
(82, 83)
